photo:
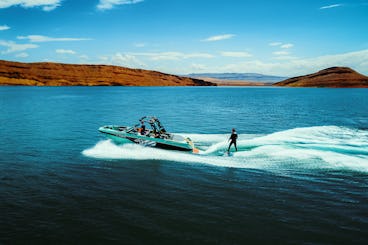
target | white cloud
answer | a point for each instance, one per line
(65, 51)
(4, 27)
(357, 60)
(173, 55)
(282, 54)
(126, 60)
(109, 4)
(15, 47)
(279, 53)
(281, 45)
(284, 65)
(275, 44)
(236, 54)
(50, 7)
(39, 38)
(218, 38)
(285, 57)
(22, 55)
(104, 59)
(153, 61)
(197, 55)
(331, 6)
(198, 67)
(84, 57)
(47, 5)
(163, 56)
(287, 45)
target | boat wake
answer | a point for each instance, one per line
(324, 147)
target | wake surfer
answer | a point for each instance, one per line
(233, 139)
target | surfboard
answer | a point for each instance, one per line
(228, 154)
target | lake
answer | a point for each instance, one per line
(300, 174)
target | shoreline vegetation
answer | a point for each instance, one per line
(59, 74)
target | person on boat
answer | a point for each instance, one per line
(156, 134)
(233, 138)
(143, 128)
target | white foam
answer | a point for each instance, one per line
(327, 147)
(206, 138)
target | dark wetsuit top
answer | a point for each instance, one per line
(234, 136)
(143, 129)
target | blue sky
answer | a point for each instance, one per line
(280, 37)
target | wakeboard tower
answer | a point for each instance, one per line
(155, 135)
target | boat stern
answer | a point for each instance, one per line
(190, 142)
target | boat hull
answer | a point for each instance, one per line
(121, 135)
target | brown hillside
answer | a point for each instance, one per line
(56, 74)
(334, 77)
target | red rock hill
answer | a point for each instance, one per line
(57, 74)
(334, 77)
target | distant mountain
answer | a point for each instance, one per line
(249, 77)
(334, 77)
(57, 74)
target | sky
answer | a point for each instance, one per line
(273, 37)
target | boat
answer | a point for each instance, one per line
(155, 135)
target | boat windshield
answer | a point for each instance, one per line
(156, 127)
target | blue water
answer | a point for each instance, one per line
(300, 175)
